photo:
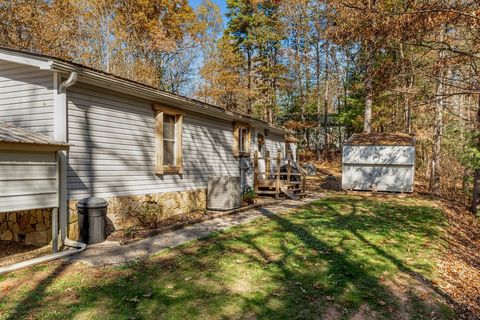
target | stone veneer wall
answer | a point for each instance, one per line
(31, 226)
(143, 210)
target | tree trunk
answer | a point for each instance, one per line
(368, 83)
(437, 140)
(319, 104)
(407, 87)
(407, 109)
(326, 97)
(476, 191)
(438, 126)
(367, 118)
(367, 45)
(249, 84)
(476, 175)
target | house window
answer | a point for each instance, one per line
(168, 140)
(241, 140)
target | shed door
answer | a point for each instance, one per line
(28, 180)
(380, 168)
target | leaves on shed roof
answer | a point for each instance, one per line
(382, 138)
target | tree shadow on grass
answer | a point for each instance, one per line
(34, 297)
(345, 266)
(286, 267)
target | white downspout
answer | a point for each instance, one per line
(72, 79)
(60, 133)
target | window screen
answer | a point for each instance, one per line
(168, 140)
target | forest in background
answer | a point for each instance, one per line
(325, 69)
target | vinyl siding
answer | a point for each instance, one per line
(26, 97)
(27, 180)
(112, 147)
(275, 142)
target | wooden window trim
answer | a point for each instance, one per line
(237, 126)
(160, 168)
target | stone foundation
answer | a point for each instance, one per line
(144, 210)
(31, 226)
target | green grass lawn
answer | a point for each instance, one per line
(339, 258)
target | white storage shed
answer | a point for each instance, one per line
(379, 162)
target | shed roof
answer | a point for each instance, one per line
(13, 137)
(291, 138)
(381, 139)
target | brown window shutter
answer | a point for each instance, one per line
(249, 141)
(236, 136)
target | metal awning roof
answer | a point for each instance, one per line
(13, 137)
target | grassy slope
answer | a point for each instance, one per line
(340, 257)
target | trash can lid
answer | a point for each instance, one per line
(92, 202)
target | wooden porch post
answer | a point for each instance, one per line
(304, 181)
(289, 166)
(267, 165)
(255, 172)
(277, 184)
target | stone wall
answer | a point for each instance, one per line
(34, 226)
(31, 226)
(144, 210)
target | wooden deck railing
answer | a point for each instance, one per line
(265, 181)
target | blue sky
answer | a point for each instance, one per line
(221, 3)
(198, 60)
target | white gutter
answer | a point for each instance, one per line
(25, 60)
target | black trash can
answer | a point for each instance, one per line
(92, 214)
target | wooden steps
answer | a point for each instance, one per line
(280, 182)
(289, 193)
(263, 192)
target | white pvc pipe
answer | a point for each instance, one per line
(79, 247)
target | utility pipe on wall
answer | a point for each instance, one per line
(79, 247)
